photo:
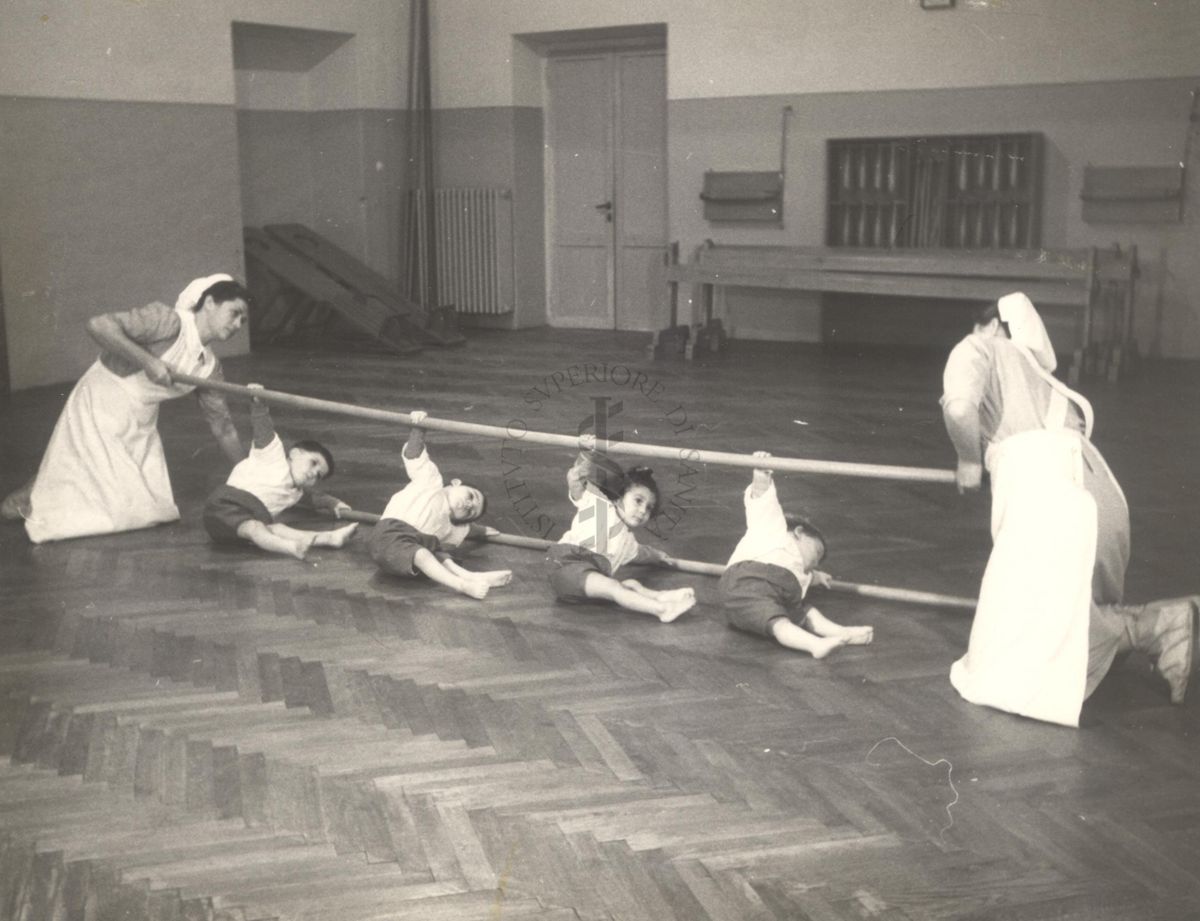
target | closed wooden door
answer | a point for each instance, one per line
(606, 132)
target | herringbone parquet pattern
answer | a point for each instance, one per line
(192, 732)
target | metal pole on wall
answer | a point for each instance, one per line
(422, 231)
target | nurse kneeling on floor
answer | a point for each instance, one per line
(104, 470)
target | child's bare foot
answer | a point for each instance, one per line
(495, 578)
(673, 608)
(338, 537)
(667, 595)
(855, 636)
(821, 625)
(824, 645)
(475, 588)
(300, 546)
(680, 594)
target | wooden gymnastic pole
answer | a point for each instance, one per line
(886, 593)
(518, 432)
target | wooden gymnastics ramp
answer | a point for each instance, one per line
(295, 296)
(437, 329)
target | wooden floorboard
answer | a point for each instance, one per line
(189, 731)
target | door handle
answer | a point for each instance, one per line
(606, 207)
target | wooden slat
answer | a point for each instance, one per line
(1036, 264)
(1066, 291)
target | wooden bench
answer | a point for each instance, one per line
(1086, 280)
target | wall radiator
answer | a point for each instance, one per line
(474, 247)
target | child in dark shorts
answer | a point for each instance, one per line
(766, 581)
(611, 503)
(270, 480)
(427, 516)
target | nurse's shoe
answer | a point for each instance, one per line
(16, 505)
(1166, 631)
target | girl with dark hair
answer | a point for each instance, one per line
(611, 505)
(104, 470)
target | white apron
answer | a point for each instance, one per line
(1028, 650)
(104, 469)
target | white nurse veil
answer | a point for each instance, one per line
(189, 297)
(1026, 328)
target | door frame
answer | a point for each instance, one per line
(650, 37)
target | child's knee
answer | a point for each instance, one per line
(252, 530)
(424, 560)
(598, 585)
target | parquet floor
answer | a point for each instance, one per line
(195, 733)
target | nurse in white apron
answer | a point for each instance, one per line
(104, 469)
(1049, 622)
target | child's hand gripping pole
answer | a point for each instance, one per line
(416, 435)
(761, 480)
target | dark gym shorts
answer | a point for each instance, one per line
(394, 544)
(756, 594)
(228, 508)
(569, 567)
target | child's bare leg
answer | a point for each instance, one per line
(428, 564)
(263, 537)
(794, 637)
(821, 625)
(598, 585)
(673, 594)
(493, 577)
(338, 537)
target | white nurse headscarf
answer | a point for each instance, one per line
(1026, 328)
(189, 297)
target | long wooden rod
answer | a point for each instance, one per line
(929, 599)
(516, 431)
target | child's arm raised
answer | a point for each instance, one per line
(261, 426)
(763, 512)
(761, 481)
(415, 446)
(577, 476)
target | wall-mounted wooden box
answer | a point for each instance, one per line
(1132, 194)
(743, 196)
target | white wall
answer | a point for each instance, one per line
(721, 48)
(1107, 82)
(182, 50)
(119, 172)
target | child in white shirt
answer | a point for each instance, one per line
(767, 578)
(427, 515)
(270, 480)
(600, 541)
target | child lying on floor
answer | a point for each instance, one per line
(766, 580)
(427, 515)
(611, 504)
(270, 480)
